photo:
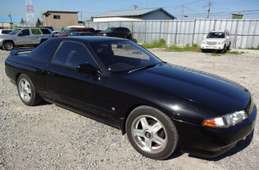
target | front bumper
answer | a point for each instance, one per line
(212, 47)
(212, 142)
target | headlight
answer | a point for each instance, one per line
(226, 120)
(204, 42)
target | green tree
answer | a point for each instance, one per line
(38, 23)
(22, 22)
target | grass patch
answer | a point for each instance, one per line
(235, 52)
(162, 44)
(156, 44)
(193, 48)
(257, 48)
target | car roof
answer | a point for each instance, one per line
(92, 38)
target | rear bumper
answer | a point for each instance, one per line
(212, 142)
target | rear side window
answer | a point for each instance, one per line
(45, 31)
(35, 31)
(72, 54)
(25, 32)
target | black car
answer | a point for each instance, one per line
(121, 32)
(161, 107)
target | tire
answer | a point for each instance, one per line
(27, 91)
(203, 50)
(8, 45)
(152, 133)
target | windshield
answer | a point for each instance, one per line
(121, 55)
(110, 29)
(216, 35)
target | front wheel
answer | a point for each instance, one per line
(8, 45)
(27, 91)
(151, 132)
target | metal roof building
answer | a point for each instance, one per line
(134, 15)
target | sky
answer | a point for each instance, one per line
(88, 8)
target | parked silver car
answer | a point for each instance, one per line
(23, 37)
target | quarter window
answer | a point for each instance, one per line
(45, 31)
(35, 31)
(71, 54)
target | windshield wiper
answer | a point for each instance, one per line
(142, 68)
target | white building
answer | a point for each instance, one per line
(134, 15)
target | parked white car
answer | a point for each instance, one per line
(216, 40)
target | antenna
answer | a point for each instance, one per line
(30, 20)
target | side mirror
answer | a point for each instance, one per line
(87, 68)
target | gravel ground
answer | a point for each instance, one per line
(48, 137)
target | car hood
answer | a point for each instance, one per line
(212, 92)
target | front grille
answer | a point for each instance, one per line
(211, 43)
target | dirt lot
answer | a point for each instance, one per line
(48, 137)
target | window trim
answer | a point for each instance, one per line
(68, 67)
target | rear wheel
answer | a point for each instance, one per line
(27, 91)
(8, 45)
(151, 132)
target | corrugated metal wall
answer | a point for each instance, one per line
(243, 33)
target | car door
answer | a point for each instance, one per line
(35, 36)
(23, 37)
(65, 84)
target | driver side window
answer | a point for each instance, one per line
(71, 55)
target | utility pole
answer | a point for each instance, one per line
(10, 17)
(209, 8)
(183, 11)
(11, 20)
(81, 15)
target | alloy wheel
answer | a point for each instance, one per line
(149, 134)
(25, 90)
